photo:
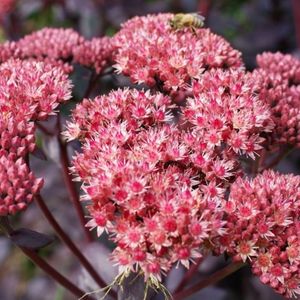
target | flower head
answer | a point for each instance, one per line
(139, 186)
(95, 53)
(33, 89)
(278, 85)
(262, 228)
(151, 52)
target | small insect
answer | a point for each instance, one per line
(192, 20)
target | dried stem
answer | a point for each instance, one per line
(42, 264)
(70, 184)
(69, 243)
(212, 279)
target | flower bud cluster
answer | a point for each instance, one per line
(263, 228)
(151, 52)
(17, 185)
(279, 86)
(60, 47)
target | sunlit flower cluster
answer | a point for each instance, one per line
(263, 228)
(150, 52)
(279, 86)
(152, 184)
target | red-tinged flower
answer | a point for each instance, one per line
(17, 185)
(278, 85)
(96, 53)
(262, 226)
(16, 132)
(33, 89)
(54, 43)
(139, 165)
(151, 52)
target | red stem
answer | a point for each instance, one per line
(188, 275)
(44, 129)
(42, 264)
(70, 184)
(69, 243)
(212, 279)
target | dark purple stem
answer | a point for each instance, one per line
(189, 274)
(64, 159)
(212, 279)
(69, 243)
(42, 264)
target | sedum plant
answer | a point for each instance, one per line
(174, 167)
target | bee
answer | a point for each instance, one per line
(192, 20)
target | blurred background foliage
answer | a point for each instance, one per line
(252, 26)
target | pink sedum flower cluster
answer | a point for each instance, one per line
(263, 228)
(60, 48)
(95, 53)
(29, 91)
(279, 86)
(151, 52)
(152, 184)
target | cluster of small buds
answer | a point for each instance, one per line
(60, 48)
(279, 86)
(263, 228)
(151, 52)
(153, 185)
(5, 7)
(16, 133)
(95, 53)
(17, 185)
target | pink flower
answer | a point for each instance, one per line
(153, 184)
(33, 89)
(29, 91)
(54, 43)
(150, 52)
(136, 176)
(53, 46)
(17, 185)
(278, 79)
(95, 53)
(263, 228)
